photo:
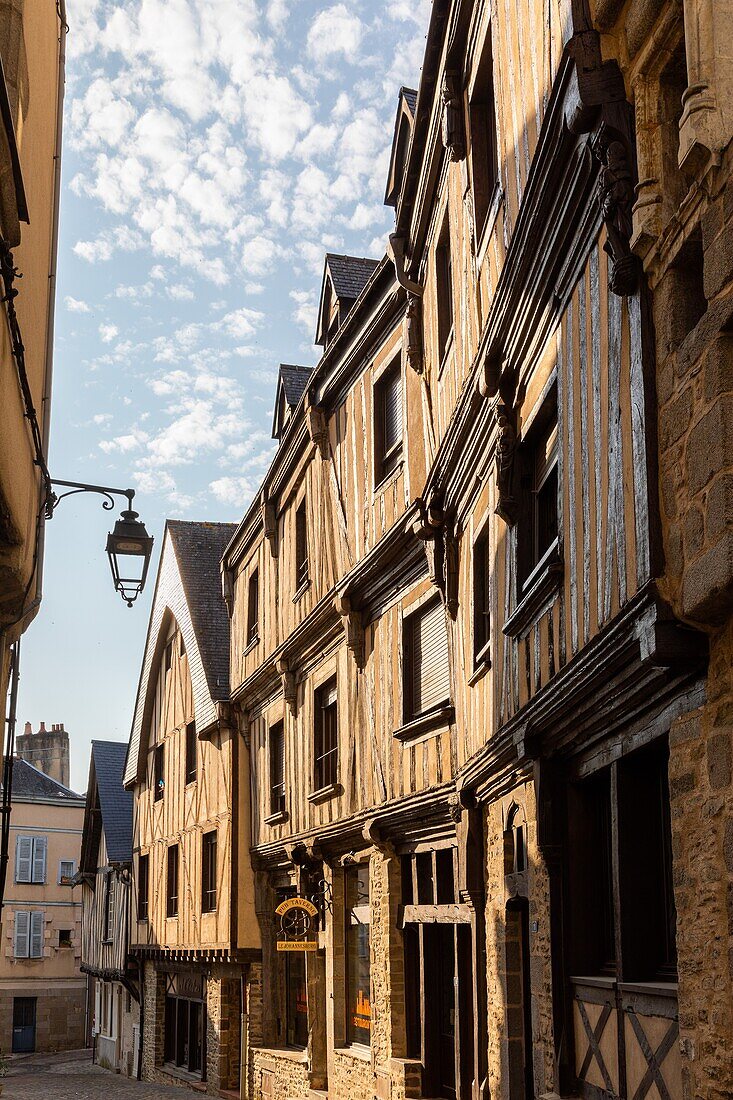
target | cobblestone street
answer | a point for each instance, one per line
(72, 1076)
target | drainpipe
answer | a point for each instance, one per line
(8, 770)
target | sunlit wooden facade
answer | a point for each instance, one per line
(454, 665)
(190, 923)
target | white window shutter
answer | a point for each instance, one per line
(393, 411)
(36, 951)
(23, 858)
(21, 933)
(431, 675)
(39, 859)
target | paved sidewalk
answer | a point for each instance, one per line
(72, 1076)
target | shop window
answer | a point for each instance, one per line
(143, 872)
(277, 768)
(184, 1025)
(622, 918)
(325, 741)
(482, 121)
(253, 609)
(191, 752)
(158, 772)
(358, 967)
(109, 906)
(388, 422)
(296, 1000)
(444, 288)
(171, 907)
(208, 871)
(481, 598)
(538, 524)
(426, 669)
(301, 547)
(30, 859)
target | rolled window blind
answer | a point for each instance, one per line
(429, 670)
(392, 410)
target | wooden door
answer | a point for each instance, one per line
(440, 1010)
(24, 1025)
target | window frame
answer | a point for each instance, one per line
(302, 561)
(325, 756)
(355, 916)
(410, 620)
(533, 559)
(159, 771)
(445, 308)
(143, 886)
(209, 867)
(33, 916)
(191, 762)
(253, 608)
(277, 797)
(71, 863)
(109, 901)
(387, 460)
(482, 595)
(484, 139)
(38, 854)
(172, 872)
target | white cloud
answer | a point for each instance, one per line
(180, 293)
(234, 490)
(93, 251)
(306, 308)
(108, 333)
(76, 305)
(335, 31)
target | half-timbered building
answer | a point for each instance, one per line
(193, 917)
(460, 684)
(105, 876)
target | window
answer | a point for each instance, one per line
(171, 907)
(30, 859)
(253, 609)
(183, 647)
(183, 1028)
(326, 748)
(388, 422)
(143, 873)
(277, 768)
(191, 752)
(444, 288)
(64, 937)
(208, 872)
(538, 525)
(623, 919)
(482, 118)
(67, 870)
(301, 547)
(358, 968)
(481, 597)
(28, 934)
(296, 1000)
(159, 772)
(168, 656)
(109, 905)
(426, 670)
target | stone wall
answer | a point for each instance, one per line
(277, 1074)
(701, 748)
(223, 1030)
(60, 1017)
(153, 998)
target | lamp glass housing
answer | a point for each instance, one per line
(129, 548)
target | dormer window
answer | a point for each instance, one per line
(344, 278)
(400, 145)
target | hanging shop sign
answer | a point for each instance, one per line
(297, 925)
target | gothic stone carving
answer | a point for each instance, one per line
(617, 200)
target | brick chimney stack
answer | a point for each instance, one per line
(47, 750)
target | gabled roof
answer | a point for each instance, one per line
(291, 384)
(404, 120)
(31, 784)
(108, 807)
(187, 589)
(345, 277)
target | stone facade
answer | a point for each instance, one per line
(60, 1015)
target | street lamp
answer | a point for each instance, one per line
(129, 546)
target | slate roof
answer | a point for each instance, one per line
(349, 274)
(410, 95)
(199, 547)
(115, 802)
(294, 380)
(30, 783)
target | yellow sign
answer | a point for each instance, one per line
(296, 903)
(297, 945)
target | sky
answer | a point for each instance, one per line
(212, 154)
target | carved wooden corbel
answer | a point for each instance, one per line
(269, 523)
(617, 201)
(452, 122)
(289, 686)
(506, 446)
(317, 426)
(450, 571)
(353, 627)
(374, 836)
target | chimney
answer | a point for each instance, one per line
(47, 750)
